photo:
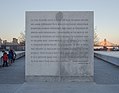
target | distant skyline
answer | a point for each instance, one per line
(106, 15)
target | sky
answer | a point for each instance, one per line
(106, 15)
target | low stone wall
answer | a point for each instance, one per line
(111, 59)
(19, 55)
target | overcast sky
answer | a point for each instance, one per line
(106, 15)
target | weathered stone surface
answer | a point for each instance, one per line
(59, 44)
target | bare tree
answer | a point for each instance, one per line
(22, 38)
(0, 40)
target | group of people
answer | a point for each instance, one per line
(8, 58)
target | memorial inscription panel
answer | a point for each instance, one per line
(59, 43)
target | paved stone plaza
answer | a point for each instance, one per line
(106, 81)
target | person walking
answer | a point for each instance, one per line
(11, 55)
(10, 58)
(5, 59)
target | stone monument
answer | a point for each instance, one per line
(59, 46)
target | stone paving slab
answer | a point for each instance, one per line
(70, 87)
(9, 88)
(105, 73)
(56, 87)
(14, 74)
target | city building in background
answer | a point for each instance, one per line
(15, 41)
(4, 45)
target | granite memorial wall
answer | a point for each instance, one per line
(59, 46)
